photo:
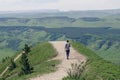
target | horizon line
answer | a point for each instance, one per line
(56, 10)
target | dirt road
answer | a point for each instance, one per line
(75, 57)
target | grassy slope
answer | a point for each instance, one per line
(111, 54)
(7, 58)
(5, 53)
(29, 36)
(97, 68)
(38, 59)
(3, 65)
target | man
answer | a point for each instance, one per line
(67, 48)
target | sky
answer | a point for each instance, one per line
(63, 5)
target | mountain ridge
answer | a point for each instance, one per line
(100, 68)
(54, 12)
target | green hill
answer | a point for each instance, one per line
(38, 58)
(96, 68)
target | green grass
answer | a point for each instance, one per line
(16, 42)
(97, 68)
(39, 69)
(6, 53)
(3, 65)
(7, 59)
(38, 58)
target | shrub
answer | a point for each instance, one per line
(76, 70)
(12, 65)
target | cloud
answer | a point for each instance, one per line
(83, 4)
(58, 4)
(88, 4)
(24, 4)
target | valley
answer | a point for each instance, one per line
(95, 35)
(105, 41)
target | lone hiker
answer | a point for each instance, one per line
(67, 48)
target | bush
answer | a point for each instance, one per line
(12, 65)
(2, 78)
(76, 70)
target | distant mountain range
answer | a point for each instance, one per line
(31, 11)
(97, 29)
(55, 12)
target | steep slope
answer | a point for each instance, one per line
(17, 57)
(38, 58)
(97, 68)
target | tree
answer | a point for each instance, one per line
(26, 68)
(3, 60)
(12, 65)
(26, 48)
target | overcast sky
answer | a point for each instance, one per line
(64, 5)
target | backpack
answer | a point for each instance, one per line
(67, 46)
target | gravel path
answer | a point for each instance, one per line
(65, 64)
